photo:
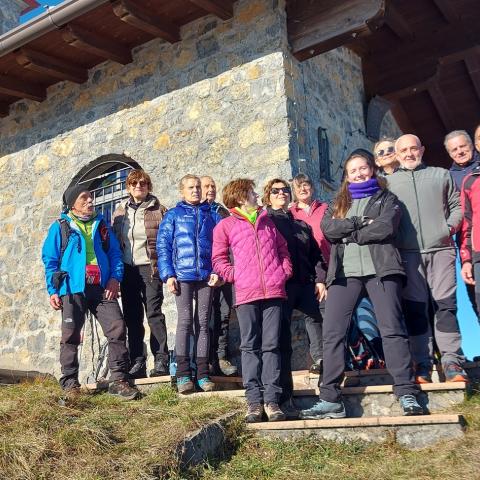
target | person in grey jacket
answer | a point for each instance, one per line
(431, 216)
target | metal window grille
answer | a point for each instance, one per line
(324, 154)
(108, 189)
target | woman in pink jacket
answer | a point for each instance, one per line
(260, 268)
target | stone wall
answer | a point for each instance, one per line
(228, 101)
(10, 11)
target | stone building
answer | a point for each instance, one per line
(256, 88)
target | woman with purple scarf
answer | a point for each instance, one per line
(361, 224)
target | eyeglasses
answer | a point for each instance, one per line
(141, 183)
(386, 151)
(276, 191)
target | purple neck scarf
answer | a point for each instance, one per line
(364, 189)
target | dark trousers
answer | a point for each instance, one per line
(142, 291)
(385, 295)
(190, 325)
(301, 298)
(109, 315)
(219, 322)
(259, 324)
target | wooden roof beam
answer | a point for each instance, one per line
(146, 20)
(4, 109)
(220, 8)
(396, 22)
(440, 103)
(103, 47)
(54, 67)
(472, 62)
(18, 88)
(448, 11)
(317, 27)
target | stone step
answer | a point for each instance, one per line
(373, 401)
(410, 432)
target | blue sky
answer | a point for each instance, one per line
(39, 10)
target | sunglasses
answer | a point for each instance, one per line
(276, 191)
(387, 151)
(141, 183)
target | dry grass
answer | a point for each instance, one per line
(311, 458)
(96, 436)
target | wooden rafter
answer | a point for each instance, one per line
(54, 67)
(21, 89)
(448, 11)
(103, 47)
(146, 20)
(397, 23)
(472, 62)
(441, 106)
(221, 8)
(316, 27)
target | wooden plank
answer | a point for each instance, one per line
(21, 89)
(441, 106)
(396, 22)
(434, 419)
(316, 27)
(103, 47)
(146, 20)
(472, 62)
(54, 67)
(448, 10)
(220, 8)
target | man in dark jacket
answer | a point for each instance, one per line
(459, 146)
(222, 298)
(83, 271)
(431, 216)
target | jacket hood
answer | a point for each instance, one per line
(460, 168)
(188, 206)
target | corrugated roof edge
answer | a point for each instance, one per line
(52, 19)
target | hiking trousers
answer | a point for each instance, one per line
(140, 290)
(190, 325)
(432, 277)
(220, 321)
(385, 295)
(259, 323)
(109, 316)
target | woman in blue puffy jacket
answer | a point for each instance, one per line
(184, 248)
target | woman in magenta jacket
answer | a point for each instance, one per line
(260, 268)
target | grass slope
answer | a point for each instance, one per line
(96, 436)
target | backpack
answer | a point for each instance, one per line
(364, 342)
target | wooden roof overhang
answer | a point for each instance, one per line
(423, 56)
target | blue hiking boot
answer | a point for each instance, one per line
(184, 385)
(206, 384)
(454, 373)
(324, 409)
(423, 373)
(410, 406)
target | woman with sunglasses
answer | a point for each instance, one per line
(361, 224)
(135, 223)
(385, 158)
(305, 288)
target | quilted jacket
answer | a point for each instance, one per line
(261, 263)
(184, 242)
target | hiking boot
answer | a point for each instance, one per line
(138, 369)
(317, 367)
(227, 368)
(185, 385)
(160, 368)
(410, 406)
(206, 384)
(123, 390)
(274, 414)
(454, 373)
(324, 409)
(423, 374)
(254, 413)
(289, 409)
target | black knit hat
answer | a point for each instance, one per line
(71, 194)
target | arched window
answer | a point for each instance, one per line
(105, 178)
(324, 155)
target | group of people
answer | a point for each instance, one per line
(388, 234)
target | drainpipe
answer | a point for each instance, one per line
(53, 18)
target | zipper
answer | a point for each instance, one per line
(418, 209)
(359, 247)
(197, 214)
(260, 261)
(133, 237)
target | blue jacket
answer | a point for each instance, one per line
(74, 258)
(184, 242)
(458, 173)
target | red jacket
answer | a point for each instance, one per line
(261, 263)
(470, 231)
(314, 218)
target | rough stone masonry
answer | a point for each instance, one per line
(228, 100)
